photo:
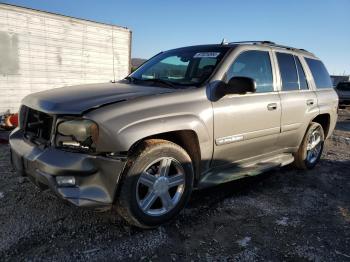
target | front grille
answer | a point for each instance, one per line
(21, 116)
(37, 125)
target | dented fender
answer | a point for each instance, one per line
(123, 124)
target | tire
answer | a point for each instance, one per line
(304, 158)
(158, 169)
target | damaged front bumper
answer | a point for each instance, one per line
(96, 177)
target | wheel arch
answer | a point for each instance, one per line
(187, 139)
(324, 121)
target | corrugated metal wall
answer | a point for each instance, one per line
(40, 50)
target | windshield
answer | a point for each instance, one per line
(344, 86)
(189, 66)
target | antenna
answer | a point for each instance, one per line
(224, 41)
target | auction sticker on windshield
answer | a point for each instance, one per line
(206, 55)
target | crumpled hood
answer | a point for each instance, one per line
(77, 99)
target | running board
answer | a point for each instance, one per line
(218, 176)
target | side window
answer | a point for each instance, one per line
(319, 73)
(288, 72)
(256, 65)
(301, 73)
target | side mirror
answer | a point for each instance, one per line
(240, 85)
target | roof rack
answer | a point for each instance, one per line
(253, 42)
(269, 43)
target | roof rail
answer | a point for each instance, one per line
(270, 43)
(253, 42)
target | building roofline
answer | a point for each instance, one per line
(67, 16)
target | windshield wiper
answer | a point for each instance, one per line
(130, 79)
(157, 80)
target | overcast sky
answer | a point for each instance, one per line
(321, 27)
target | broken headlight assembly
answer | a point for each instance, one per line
(77, 134)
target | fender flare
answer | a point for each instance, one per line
(134, 132)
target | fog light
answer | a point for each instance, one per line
(65, 180)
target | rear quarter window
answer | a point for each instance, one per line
(319, 73)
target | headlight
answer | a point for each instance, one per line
(77, 134)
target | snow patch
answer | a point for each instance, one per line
(244, 242)
(283, 221)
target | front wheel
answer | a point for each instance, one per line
(310, 150)
(156, 185)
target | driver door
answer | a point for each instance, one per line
(247, 125)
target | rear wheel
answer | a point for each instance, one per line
(157, 184)
(310, 150)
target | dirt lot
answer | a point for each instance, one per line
(282, 215)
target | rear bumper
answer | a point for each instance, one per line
(96, 177)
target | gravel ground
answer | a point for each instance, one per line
(284, 215)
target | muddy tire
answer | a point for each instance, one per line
(156, 184)
(310, 150)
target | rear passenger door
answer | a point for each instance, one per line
(298, 100)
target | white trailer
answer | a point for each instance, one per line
(41, 50)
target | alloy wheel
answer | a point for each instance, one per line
(314, 146)
(160, 186)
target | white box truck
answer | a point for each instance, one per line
(41, 50)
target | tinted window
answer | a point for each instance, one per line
(301, 73)
(256, 65)
(319, 73)
(288, 72)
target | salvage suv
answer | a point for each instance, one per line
(186, 119)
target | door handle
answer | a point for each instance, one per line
(310, 102)
(272, 106)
